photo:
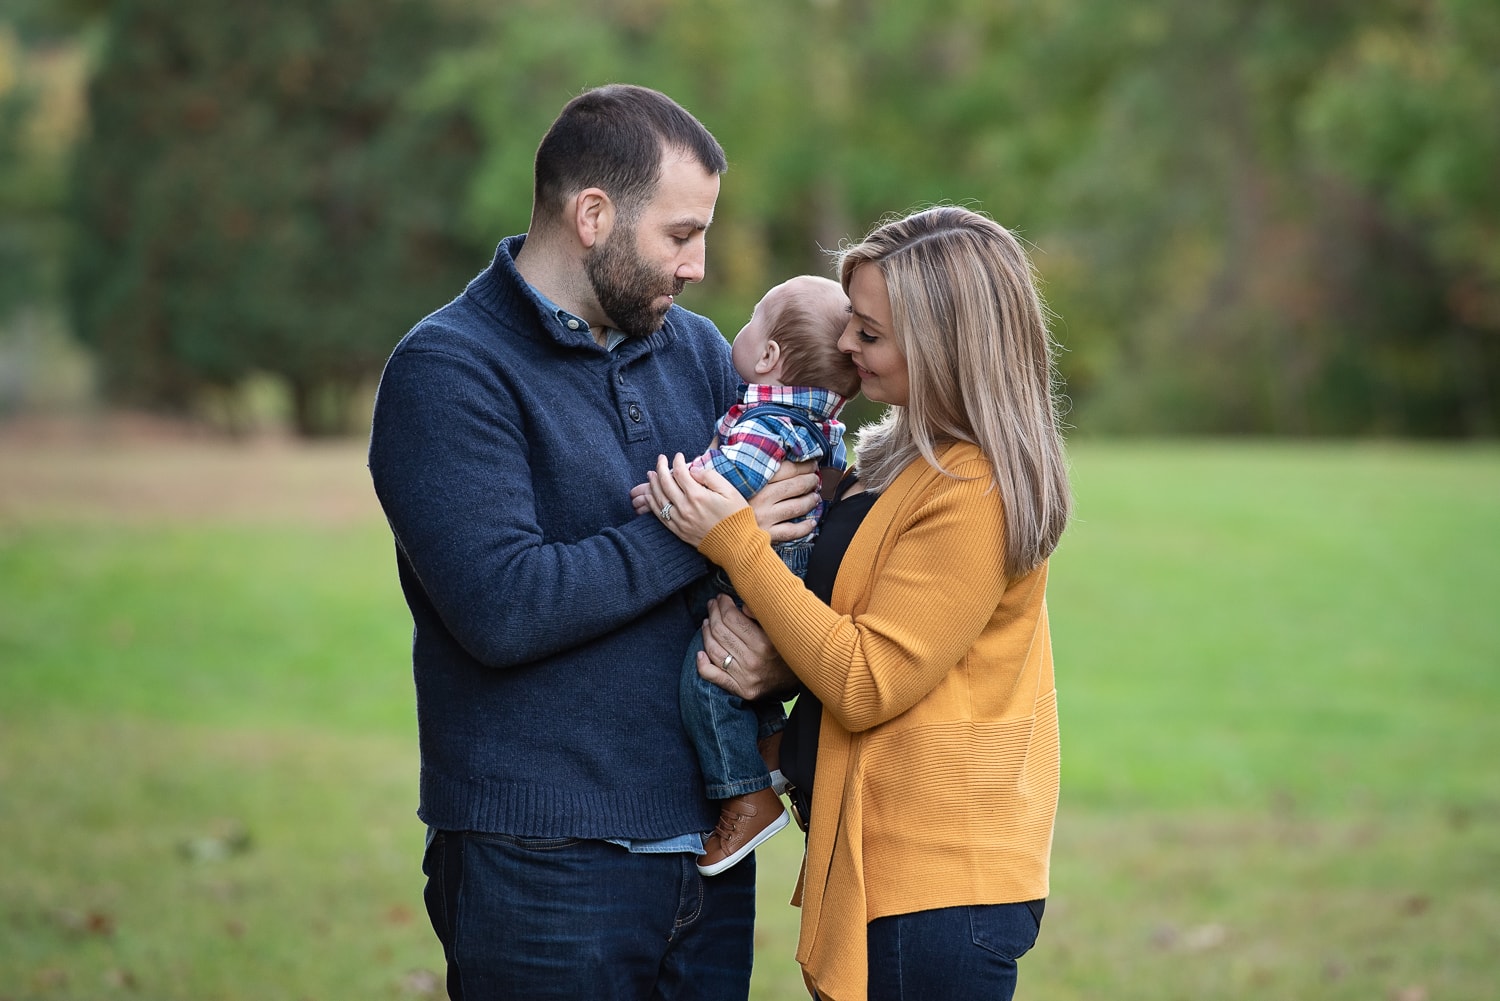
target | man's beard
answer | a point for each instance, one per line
(627, 287)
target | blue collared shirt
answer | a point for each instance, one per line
(612, 338)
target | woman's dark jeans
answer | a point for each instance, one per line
(950, 953)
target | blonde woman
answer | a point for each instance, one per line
(922, 629)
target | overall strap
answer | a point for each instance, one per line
(797, 417)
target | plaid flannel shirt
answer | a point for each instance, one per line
(749, 451)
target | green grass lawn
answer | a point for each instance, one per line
(1278, 677)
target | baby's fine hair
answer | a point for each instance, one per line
(805, 315)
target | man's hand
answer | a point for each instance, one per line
(780, 505)
(640, 498)
(738, 656)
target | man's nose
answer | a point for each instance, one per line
(694, 265)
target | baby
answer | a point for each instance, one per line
(796, 380)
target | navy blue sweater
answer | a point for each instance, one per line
(549, 619)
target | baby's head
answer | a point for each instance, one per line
(792, 338)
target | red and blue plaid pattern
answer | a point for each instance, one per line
(749, 451)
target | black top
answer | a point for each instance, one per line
(799, 742)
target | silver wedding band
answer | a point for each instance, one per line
(728, 659)
(666, 511)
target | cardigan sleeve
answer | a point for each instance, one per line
(927, 600)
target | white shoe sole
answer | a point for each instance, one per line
(771, 829)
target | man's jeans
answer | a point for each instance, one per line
(561, 918)
(949, 953)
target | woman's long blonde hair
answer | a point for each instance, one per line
(968, 318)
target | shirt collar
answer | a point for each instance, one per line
(823, 404)
(612, 338)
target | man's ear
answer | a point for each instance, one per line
(593, 216)
(769, 360)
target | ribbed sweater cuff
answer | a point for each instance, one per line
(674, 560)
(731, 537)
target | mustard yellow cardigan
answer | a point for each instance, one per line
(937, 773)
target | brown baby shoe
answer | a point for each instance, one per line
(744, 822)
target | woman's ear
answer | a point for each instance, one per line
(769, 361)
(593, 216)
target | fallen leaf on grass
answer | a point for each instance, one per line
(81, 924)
(49, 978)
(120, 980)
(1415, 906)
(1204, 937)
(229, 838)
(1197, 939)
(422, 983)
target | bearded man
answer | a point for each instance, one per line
(563, 802)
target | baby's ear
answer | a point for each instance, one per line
(769, 361)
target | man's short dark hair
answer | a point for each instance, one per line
(613, 138)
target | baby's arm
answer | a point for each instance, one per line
(745, 466)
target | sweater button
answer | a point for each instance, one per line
(635, 413)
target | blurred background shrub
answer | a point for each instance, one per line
(1264, 217)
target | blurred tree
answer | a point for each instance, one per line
(42, 70)
(258, 194)
(833, 114)
(38, 124)
(1249, 215)
(23, 197)
(1409, 117)
(1267, 228)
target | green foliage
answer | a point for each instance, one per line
(1408, 115)
(1249, 216)
(831, 127)
(31, 193)
(257, 195)
(1212, 189)
(1227, 263)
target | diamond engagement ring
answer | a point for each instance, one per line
(666, 511)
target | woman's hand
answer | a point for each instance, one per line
(738, 656)
(690, 501)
